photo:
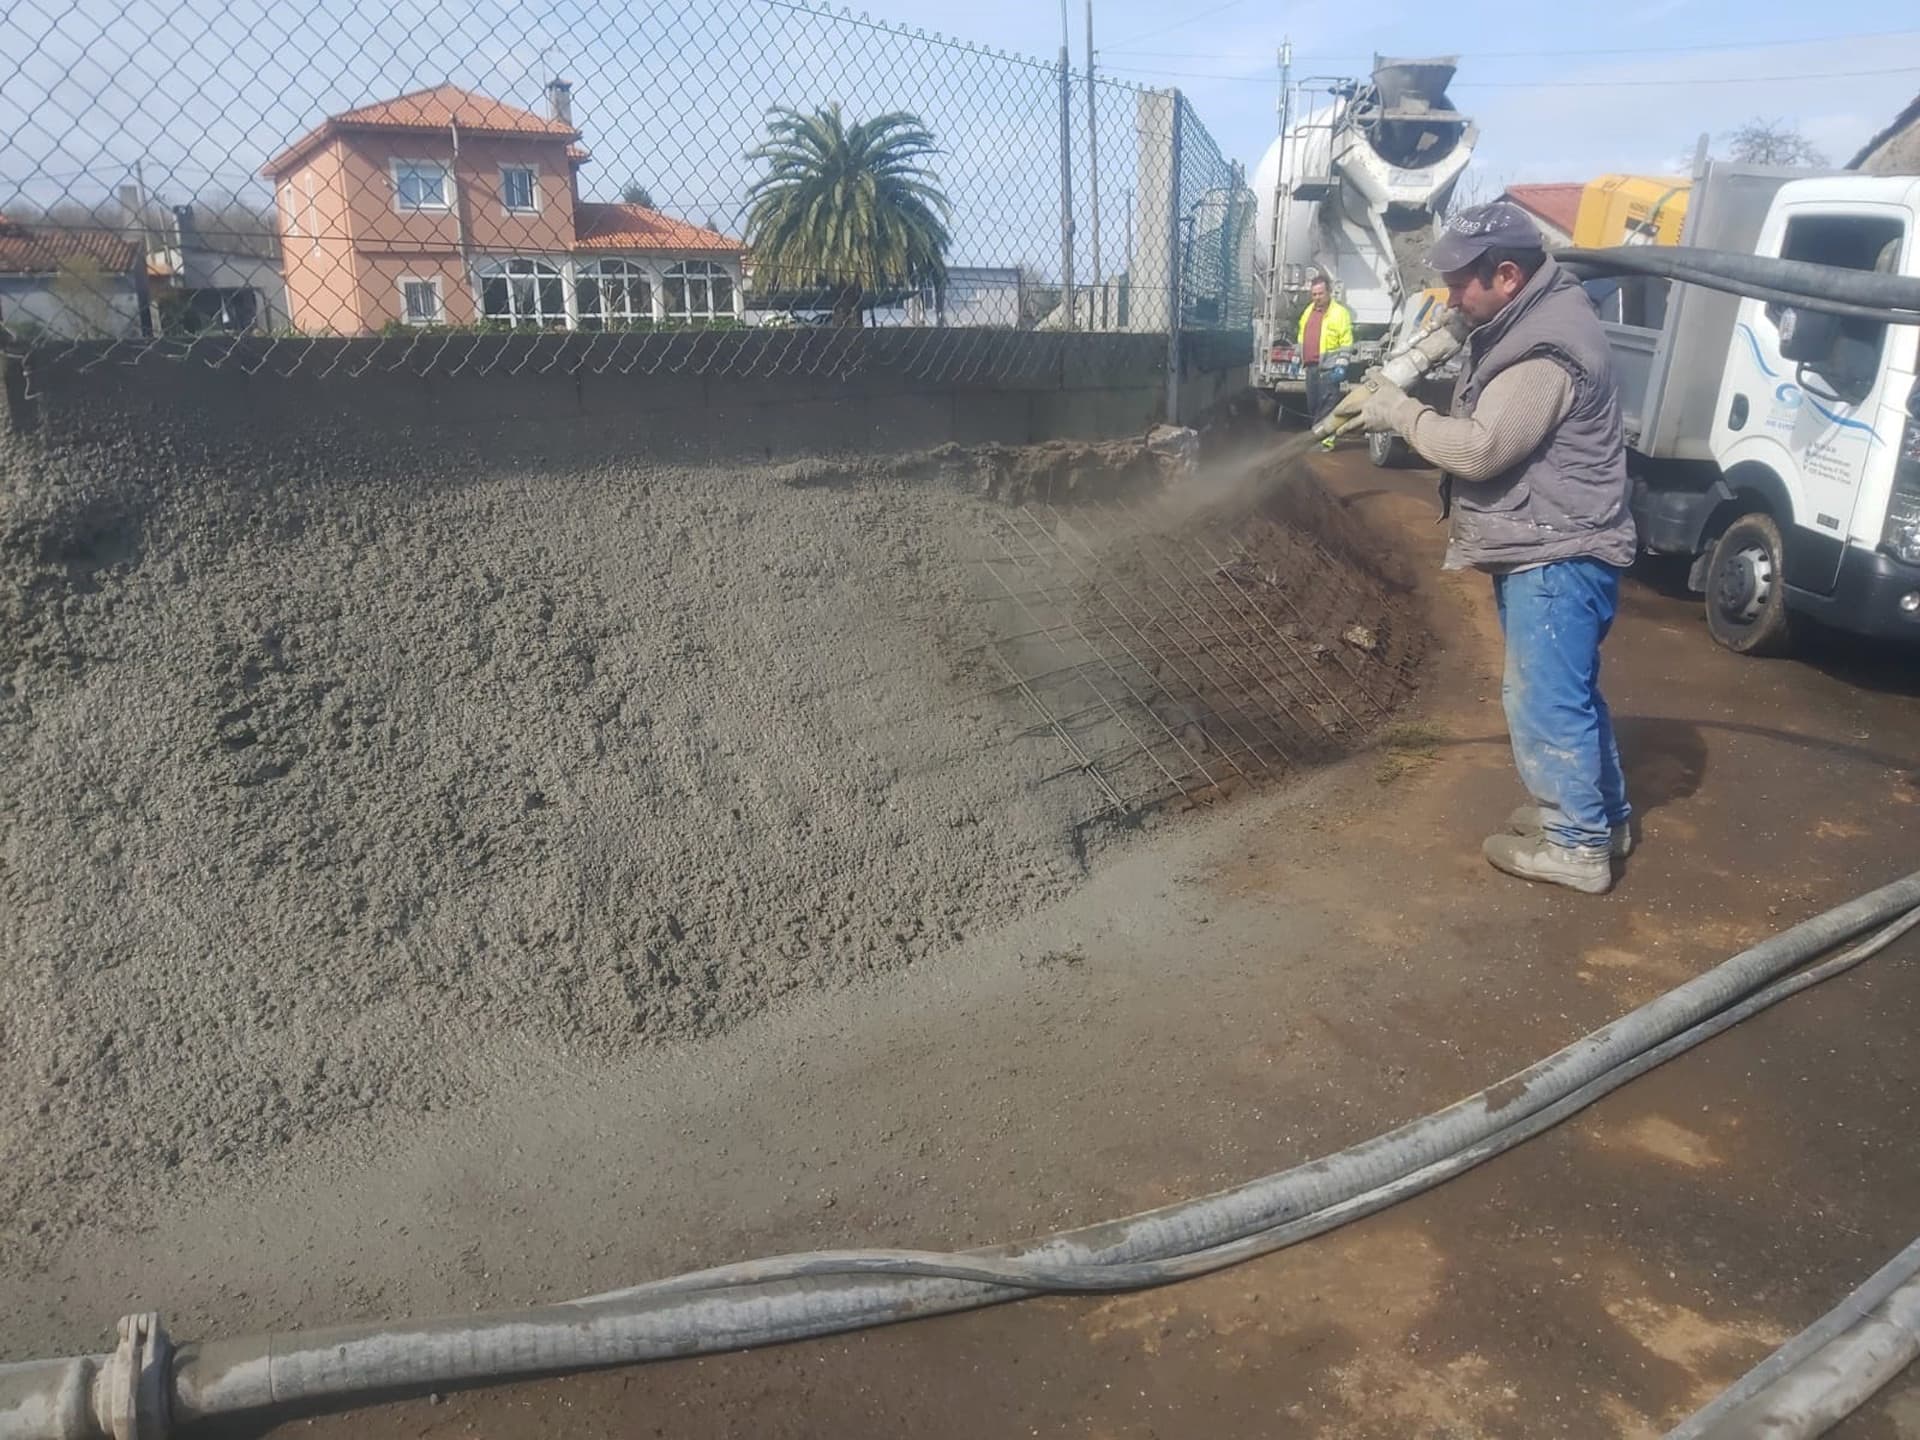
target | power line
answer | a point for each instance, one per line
(1175, 25)
(1542, 54)
(1565, 84)
(1687, 80)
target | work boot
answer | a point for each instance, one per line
(1534, 857)
(1532, 820)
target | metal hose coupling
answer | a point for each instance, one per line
(1405, 368)
(132, 1394)
(125, 1395)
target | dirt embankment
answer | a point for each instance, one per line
(329, 777)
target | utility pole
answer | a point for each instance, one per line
(140, 194)
(1176, 235)
(1066, 173)
(1282, 204)
(1093, 181)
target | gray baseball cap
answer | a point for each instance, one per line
(1469, 234)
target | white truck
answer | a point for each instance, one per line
(1352, 190)
(1779, 447)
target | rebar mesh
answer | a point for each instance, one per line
(1179, 658)
(234, 180)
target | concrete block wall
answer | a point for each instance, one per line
(679, 397)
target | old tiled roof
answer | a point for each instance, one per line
(1558, 205)
(41, 249)
(436, 109)
(1907, 117)
(635, 227)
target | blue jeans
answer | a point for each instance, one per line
(1554, 618)
(1323, 390)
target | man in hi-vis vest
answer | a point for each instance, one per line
(1325, 338)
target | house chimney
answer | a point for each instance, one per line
(560, 100)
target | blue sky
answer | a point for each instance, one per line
(1530, 130)
(204, 91)
(1628, 87)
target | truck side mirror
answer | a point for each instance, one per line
(1807, 337)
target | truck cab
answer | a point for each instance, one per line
(1783, 455)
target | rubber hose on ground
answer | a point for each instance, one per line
(1827, 1371)
(1041, 1276)
(255, 1374)
(229, 1376)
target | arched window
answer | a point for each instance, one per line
(697, 290)
(613, 295)
(523, 293)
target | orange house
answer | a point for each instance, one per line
(446, 207)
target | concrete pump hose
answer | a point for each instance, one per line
(1828, 1370)
(1043, 1277)
(1831, 289)
(771, 1301)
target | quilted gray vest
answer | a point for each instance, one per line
(1569, 497)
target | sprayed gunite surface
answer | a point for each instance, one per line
(322, 796)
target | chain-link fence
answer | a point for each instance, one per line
(744, 184)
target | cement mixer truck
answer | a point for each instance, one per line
(1352, 190)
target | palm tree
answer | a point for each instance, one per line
(848, 208)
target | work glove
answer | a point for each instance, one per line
(1383, 404)
(1348, 405)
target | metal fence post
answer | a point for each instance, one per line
(1094, 322)
(1066, 174)
(1174, 264)
(1229, 234)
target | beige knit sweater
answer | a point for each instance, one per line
(1517, 410)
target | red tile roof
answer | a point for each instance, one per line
(635, 227)
(435, 109)
(1557, 204)
(41, 249)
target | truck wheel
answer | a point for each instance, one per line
(1747, 589)
(1385, 449)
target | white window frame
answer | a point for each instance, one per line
(634, 270)
(533, 188)
(399, 163)
(710, 270)
(439, 316)
(500, 268)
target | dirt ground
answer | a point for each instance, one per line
(1256, 985)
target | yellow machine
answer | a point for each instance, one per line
(1631, 210)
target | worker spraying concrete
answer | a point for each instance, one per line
(1536, 487)
(1533, 493)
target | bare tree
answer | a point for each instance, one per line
(82, 288)
(1772, 142)
(1474, 187)
(1039, 296)
(236, 225)
(222, 221)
